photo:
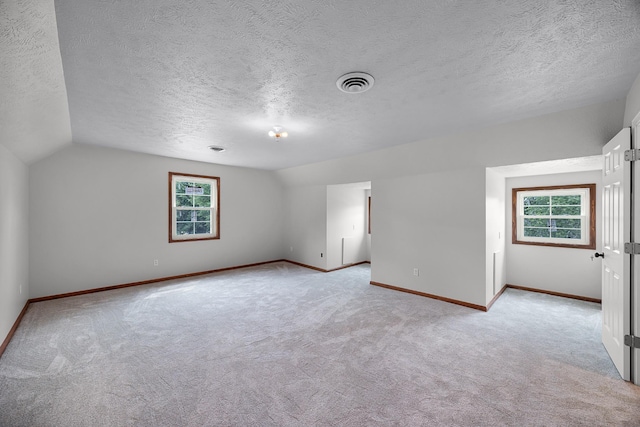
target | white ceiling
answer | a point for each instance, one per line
(172, 77)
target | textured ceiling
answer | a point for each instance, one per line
(172, 77)
(34, 115)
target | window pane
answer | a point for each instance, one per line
(203, 227)
(565, 210)
(536, 232)
(203, 216)
(184, 201)
(536, 200)
(566, 200)
(568, 223)
(185, 215)
(567, 234)
(536, 210)
(180, 186)
(202, 201)
(206, 189)
(185, 228)
(536, 222)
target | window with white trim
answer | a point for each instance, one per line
(194, 207)
(554, 216)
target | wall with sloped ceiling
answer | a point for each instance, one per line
(99, 217)
(34, 122)
(430, 195)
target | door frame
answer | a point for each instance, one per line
(634, 312)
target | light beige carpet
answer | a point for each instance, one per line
(281, 345)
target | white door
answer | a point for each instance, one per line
(616, 230)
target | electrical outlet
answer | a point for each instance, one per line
(416, 272)
(20, 289)
(155, 262)
(291, 249)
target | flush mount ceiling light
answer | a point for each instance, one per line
(216, 148)
(356, 82)
(278, 132)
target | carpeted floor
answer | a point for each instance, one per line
(281, 345)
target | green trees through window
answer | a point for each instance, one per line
(553, 216)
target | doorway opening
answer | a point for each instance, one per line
(348, 224)
(561, 270)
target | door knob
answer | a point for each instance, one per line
(599, 255)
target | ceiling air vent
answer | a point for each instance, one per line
(355, 82)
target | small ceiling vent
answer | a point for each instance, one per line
(216, 148)
(355, 82)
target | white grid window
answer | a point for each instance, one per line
(555, 216)
(194, 207)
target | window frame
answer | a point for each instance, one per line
(589, 214)
(214, 181)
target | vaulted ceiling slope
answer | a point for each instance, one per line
(34, 114)
(172, 77)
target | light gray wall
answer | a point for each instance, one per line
(305, 225)
(432, 223)
(451, 170)
(14, 239)
(99, 217)
(346, 217)
(566, 270)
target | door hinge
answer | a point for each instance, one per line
(632, 248)
(632, 341)
(632, 155)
